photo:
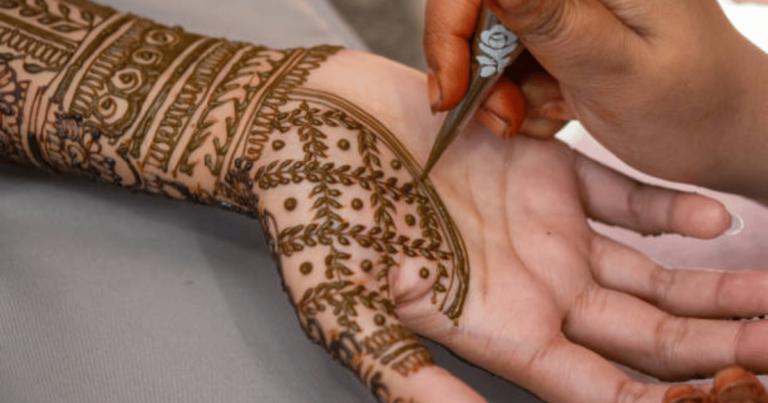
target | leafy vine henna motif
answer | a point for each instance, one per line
(368, 215)
(340, 180)
(139, 105)
(46, 31)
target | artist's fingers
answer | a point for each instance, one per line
(504, 110)
(637, 334)
(735, 385)
(448, 26)
(616, 199)
(547, 111)
(684, 292)
(562, 36)
(536, 109)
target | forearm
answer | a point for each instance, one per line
(91, 91)
(248, 128)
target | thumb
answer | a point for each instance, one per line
(575, 41)
(351, 315)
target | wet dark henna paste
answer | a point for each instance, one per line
(86, 90)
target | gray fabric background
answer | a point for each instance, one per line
(111, 297)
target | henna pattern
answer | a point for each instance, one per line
(13, 93)
(86, 90)
(336, 180)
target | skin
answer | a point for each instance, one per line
(656, 84)
(570, 294)
(535, 295)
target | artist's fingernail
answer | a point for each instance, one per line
(684, 394)
(735, 384)
(737, 225)
(435, 92)
(494, 122)
(556, 110)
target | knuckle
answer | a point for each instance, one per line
(727, 291)
(536, 18)
(670, 333)
(636, 203)
(661, 282)
(740, 338)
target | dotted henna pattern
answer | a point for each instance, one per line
(86, 90)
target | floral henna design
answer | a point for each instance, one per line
(368, 215)
(139, 105)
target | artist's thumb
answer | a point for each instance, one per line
(573, 40)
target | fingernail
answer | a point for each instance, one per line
(737, 225)
(495, 123)
(734, 384)
(684, 393)
(556, 110)
(435, 92)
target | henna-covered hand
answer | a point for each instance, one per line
(494, 257)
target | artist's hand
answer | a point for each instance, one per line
(669, 86)
(547, 300)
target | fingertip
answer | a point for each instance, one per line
(701, 217)
(547, 111)
(685, 393)
(447, 83)
(495, 123)
(435, 92)
(448, 27)
(557, 110)
(541, 128)
(505, 109)
(712, 220)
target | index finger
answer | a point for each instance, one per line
(448, 27)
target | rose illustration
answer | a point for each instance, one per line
(497, 43)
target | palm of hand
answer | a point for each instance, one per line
(551, 298)
(536, 280)
(546, 297)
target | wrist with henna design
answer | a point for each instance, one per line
(87, 90)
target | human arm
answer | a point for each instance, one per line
(355, 77)
(670, 87)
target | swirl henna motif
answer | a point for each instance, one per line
(126, 101)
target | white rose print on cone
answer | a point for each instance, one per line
(497, 43)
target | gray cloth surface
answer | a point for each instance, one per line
(111, 297)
